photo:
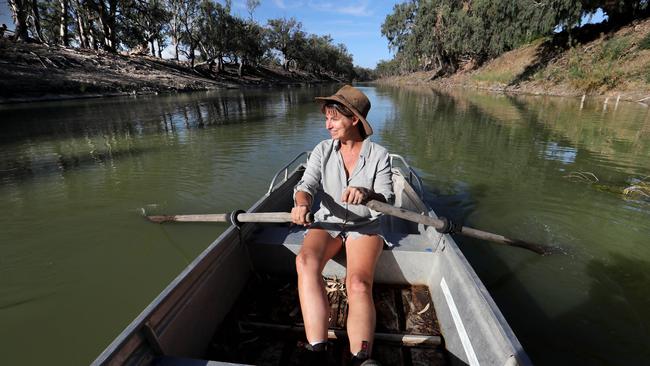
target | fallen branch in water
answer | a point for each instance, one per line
(583, 176)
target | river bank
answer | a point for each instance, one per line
(34, 72)
(610, 66)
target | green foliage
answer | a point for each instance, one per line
(286, 36)
(613, 49)
(503, 77)
(601, 71)
(438, 35)
(309, 52)
(364, 74)
(645, 42)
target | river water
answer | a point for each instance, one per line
(78, 262)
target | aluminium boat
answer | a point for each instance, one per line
(236, 303)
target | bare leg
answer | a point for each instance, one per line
(362, 254)
(317, 248)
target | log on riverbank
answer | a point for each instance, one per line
(30, 72)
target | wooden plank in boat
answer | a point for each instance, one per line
(338, 307)
(387, 310)
(419, 315)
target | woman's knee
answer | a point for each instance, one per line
(307, 263)
(359, 285)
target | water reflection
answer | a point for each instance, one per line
(505, 164)
(56, 138)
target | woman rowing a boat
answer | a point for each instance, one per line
(348, 170)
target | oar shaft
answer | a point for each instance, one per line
(268, 217)
(466, 231)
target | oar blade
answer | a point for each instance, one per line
(159, 219)
(537, 248)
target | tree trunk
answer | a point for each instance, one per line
(19, 9)
(153, 49)
(82, 25)
(159, 48)
(92, 38)
(37, 21)
(63, 23)
(112, 15)
(175, 30)
(103, 23)
(219, 63)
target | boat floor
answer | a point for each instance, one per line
(265, 326)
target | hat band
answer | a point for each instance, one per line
(350, 105)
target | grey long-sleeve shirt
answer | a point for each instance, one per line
(325, 171)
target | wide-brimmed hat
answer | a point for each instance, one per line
(355, 101)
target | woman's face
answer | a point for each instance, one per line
(340, 126)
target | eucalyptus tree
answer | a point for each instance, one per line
(144, 23)
(286, 35)
(189, 18)
(440, 34)
(175, 9)
(214, 25)
(251, 5)
(343, 66)
(248, 42)
(64, 23)
(55, 21)
(21, 10)
(107, 11)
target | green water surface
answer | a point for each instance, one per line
(78, 262)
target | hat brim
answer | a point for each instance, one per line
(335, 98)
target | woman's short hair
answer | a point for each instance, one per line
(337, 108)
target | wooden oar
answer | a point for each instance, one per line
(268, 217)
(284, 217)
(463, 230)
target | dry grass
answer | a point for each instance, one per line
(616, 64)
(504, 69)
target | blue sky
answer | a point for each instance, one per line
(355, 23)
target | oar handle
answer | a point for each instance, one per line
(265, 217)
(464, 230)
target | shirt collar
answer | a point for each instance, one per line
(365, 147)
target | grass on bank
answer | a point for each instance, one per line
(602, 69)
(613, 61)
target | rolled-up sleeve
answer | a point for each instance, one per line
(384, 179)
(310, 181)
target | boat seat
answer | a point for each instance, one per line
(293, 236)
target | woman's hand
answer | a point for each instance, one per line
(356, 195)
(299, 215)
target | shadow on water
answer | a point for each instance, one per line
(79, 118)
(26, 168)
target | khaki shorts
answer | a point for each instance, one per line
(350, 231)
